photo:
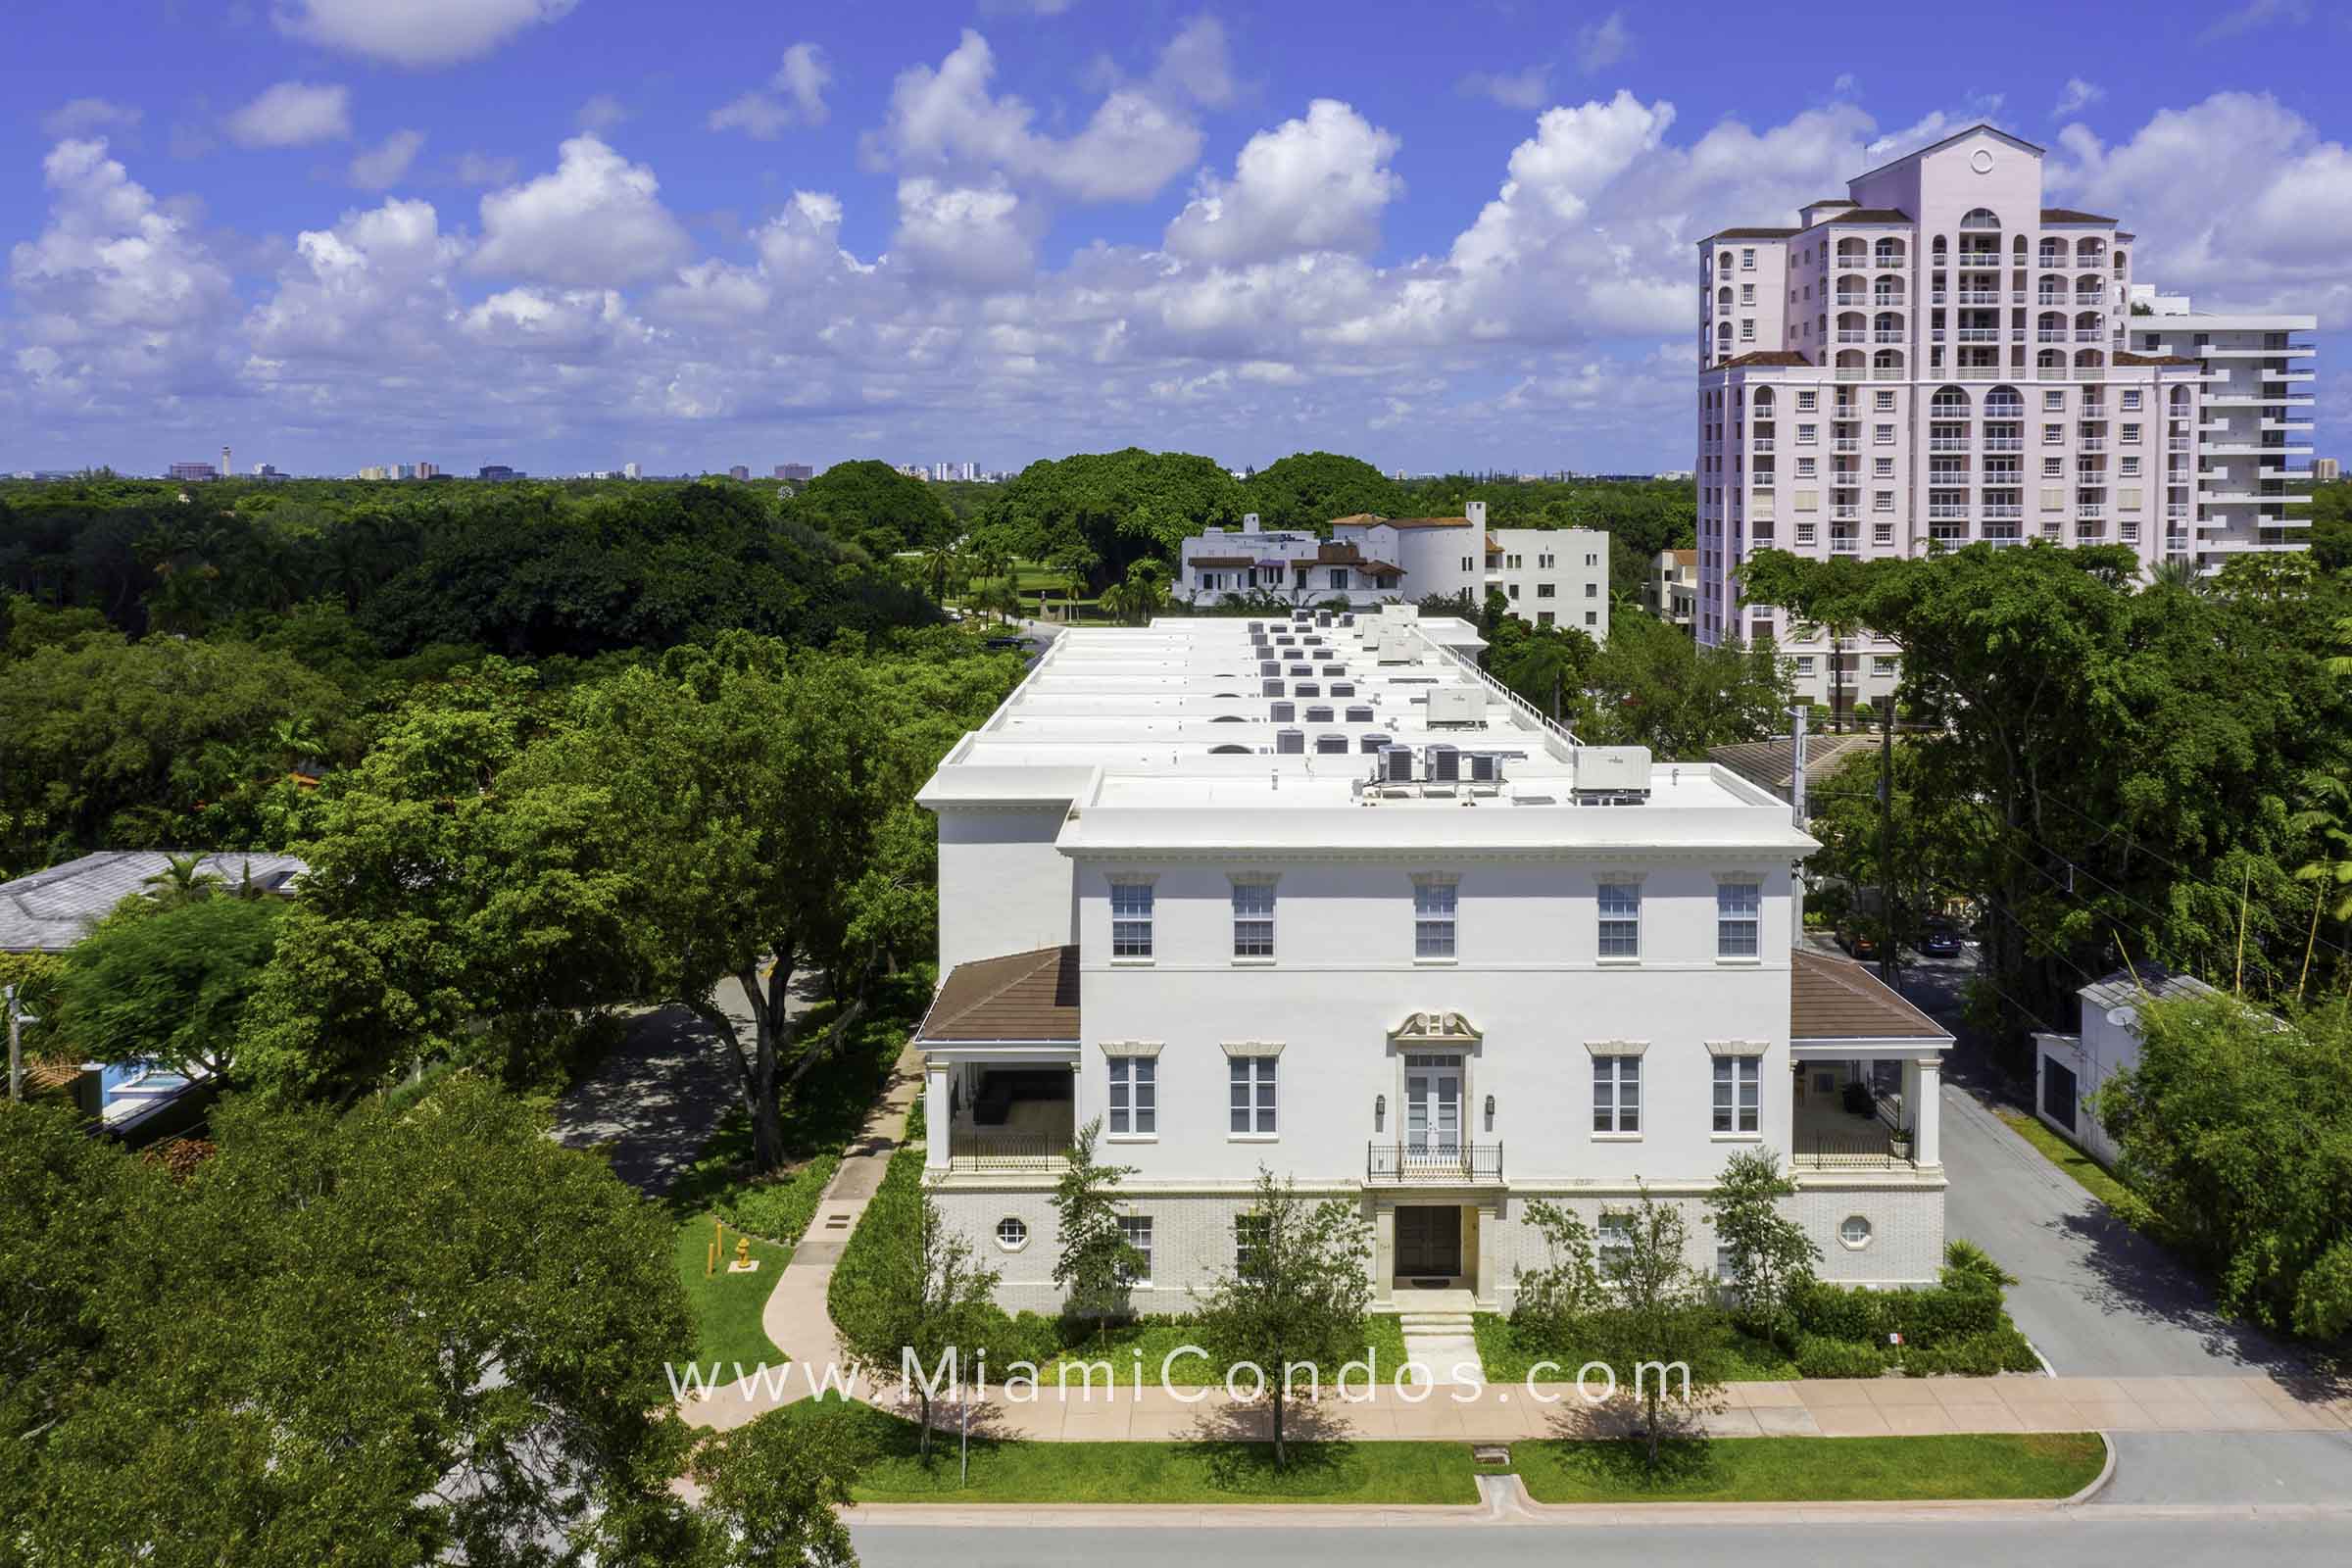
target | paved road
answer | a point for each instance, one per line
(2082, 1539)
(2188, 1467)
(2095, 1296)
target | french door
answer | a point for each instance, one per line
(1433, 1104)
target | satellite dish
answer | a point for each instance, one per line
(2120, 1017)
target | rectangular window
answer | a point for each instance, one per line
(1882, 402)
(1136, 1231)
(1254, 919)
(1591, 590)
(1739, 914)
(1616, 1094)
(1131, 920)
(2053, 435)
(1621, 919)
(1807, 401)
(1135, 1096)
(1251, 1081)
(2053, 401)
(1738, 1086)
(1544, 618)
(1543, 590)
(1883, 435)
(1615, 1234)
(1592, 617)
(1248, 1234)
(1882, 468)
(2131, 400)
(1433, 920)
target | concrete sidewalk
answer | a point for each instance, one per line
(796, 1317)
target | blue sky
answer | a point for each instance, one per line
(572, 233)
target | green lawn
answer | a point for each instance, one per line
(1746, 1359)
(1384, 1335)
(2088, 1172)
(1140, 1472)
(726, 1307)
(1814, 1469)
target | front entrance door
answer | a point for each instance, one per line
(1429, 1240)
(1433, 1104)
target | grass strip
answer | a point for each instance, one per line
(1814, 1469)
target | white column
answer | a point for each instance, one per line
(1384, 1251)
(1927, 1142)
(936, 1114)
(1489, 1238)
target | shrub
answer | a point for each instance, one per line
(1818, 1357)
(1966, 1263)
(780, 1210)
(1835, 1313)
(2001, 1350)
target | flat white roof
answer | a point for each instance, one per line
(1164, 737)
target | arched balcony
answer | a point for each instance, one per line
(2051, 289)
(2051, 326)
(1980, 218)
(1889, 253)
(1888, 328)
(1853, 289)
(2088, 327)
(1853, 328)
(1948, 403)
(2004, 403)
(1888, 295)
(1853, 251)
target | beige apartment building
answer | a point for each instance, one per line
(1937, 358)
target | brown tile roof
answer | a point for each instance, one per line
(1427, 523)
(1765, 357)
(1870, 214)
(1838, 999)
(1358, 517)
(1022, 996)
(2067, 214)
(1685, 557)
(1380, 568)
(2125, 357)
(1754, 233)
(1222, 560)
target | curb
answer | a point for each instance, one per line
(2098, 1483)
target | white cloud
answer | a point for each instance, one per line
(387, 163)
(1525, 88)
(483, 169)
(1601, 45)
(601, 114)
(596, 220)
(293, 113)
(1311, 184)
(944, 120)
(795, 96)
(1198, 63)
(115, 296)
(2255, 15)
(84, 116)
(973, 237)
(375, 287)
(2077, 96)
(415, 32)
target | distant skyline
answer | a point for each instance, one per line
(565, 234)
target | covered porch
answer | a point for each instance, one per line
(1866, 1071)
(1000, 1064)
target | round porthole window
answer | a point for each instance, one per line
(1012, 1233)
(1981, 160)
(1854, 1232)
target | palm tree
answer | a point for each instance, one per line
(2178, 571)
(182, 881)
(2329, 819)
(939, 565)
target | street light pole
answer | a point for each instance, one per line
(18, 1017)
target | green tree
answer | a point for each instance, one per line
(433, 1336)
(1555, 1302)
(1295, 1294)
(871, 505)
(1308, 489)
(1097, 1266)
(772, 1495)
(167, 985)
(1653, 685)
(1665, 1319)
(917, 1305)
(1772, 1257)
(2237, 1130)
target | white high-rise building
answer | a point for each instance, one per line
(1937, 358)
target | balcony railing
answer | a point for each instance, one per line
(1432, 1163)
(1861, 1150)
(2004, 443)
(975, 1151)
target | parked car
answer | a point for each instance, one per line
(1003, 645)
(1859, 940)
(1939, 938)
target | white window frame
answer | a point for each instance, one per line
(1736, 1108)
(1132, 1103)
(1620, 926)
(1729, 895)
(1131, 928)
(1619, 1077)
(1253, 917)
(1130, 1226)
(1252, 1090)
(1436, 920)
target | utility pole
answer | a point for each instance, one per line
(1796, 763)
(1886, 963)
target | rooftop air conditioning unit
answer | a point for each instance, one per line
(1456, 704)
(1323, 618)
(1289, 743)
(1269, 666)
(1306, 688)
(1303, 669)
(1258, 625)
(1318, 715)
(1348, 619)
(1371, 740)
(1444, 764)
(1358, 715)
(1339, 688)
(1335, 669)
(1611, 769)
(1396, 764)
(1269, 688)
(1486, 768)
(1283, 713)
(1331, 746)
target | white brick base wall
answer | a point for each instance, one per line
(1192, 1236)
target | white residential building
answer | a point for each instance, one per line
(1550, 576)
(1312, 892)
(2070, 1070)
(1937, 358)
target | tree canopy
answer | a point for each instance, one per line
(1308, 489)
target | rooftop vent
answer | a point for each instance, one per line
(1305, 688)
(1303, 669)
(1348, 619)
(1341, 687)
(1323, 618)
(1289, 743)
(1269, 666)
(1484, 767)
(1335, 669)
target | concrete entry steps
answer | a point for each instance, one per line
(1439, 1334)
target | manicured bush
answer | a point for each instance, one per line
(1977, 1355)
(1818, 1357)
(1837, 1313)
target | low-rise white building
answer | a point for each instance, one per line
(1548, 576)
(1311, 893)
(2069, 1070)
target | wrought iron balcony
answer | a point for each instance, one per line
(1432, 1162)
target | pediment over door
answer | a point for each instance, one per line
(1435, 1028)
